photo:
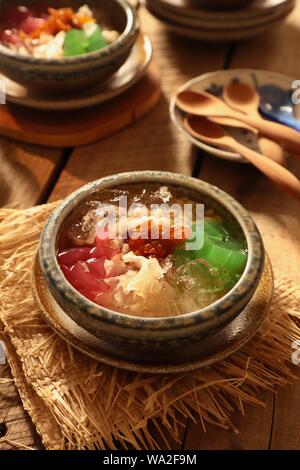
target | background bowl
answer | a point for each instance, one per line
(221, 4)
(145, 334)
(75, 73)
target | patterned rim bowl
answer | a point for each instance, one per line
(149, 332)
(75, 73)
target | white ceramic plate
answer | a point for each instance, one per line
(214, 82)
(133, 69)
(227, 22)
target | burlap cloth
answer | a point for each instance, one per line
(76, 402)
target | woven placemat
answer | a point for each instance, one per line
(76, 402)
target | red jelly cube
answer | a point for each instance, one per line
(84, 278)
(70, 256)
(31, 24)
(96, 267)
(104, 246)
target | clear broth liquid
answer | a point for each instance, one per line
(133, 272)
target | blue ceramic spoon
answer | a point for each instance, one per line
(276, 104)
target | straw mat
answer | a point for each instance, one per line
(76, 402)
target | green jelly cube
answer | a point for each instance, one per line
(96, 41)
(185, 253)
(76, 42)
(236, 261)
(214, 229)
(218, 249)
(211, 228)
(226, 254)
(197, 237)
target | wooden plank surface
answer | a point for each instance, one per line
(277, 216)
(153, 143)
(252, 430)
(26, 177)
(16, 426)
(26, 173)
(277, 50)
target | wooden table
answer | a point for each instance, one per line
(32, 175)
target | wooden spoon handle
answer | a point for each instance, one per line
(277, 173)
(227, 121)
(275, 131)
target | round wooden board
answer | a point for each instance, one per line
(84, 126)
(210, 349)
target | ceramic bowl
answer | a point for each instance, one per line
(221, 4)
(75, 73)
(146, 333)
(219, 25)
(130, 73)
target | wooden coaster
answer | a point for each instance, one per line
(209, 350)
(81, 127)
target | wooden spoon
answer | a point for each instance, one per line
(272, 150)
(269, 148)
(243, 98)
(212, 133)
(205, 104)
(226, 121)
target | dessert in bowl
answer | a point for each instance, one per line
(61, 47)
(148, 278)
